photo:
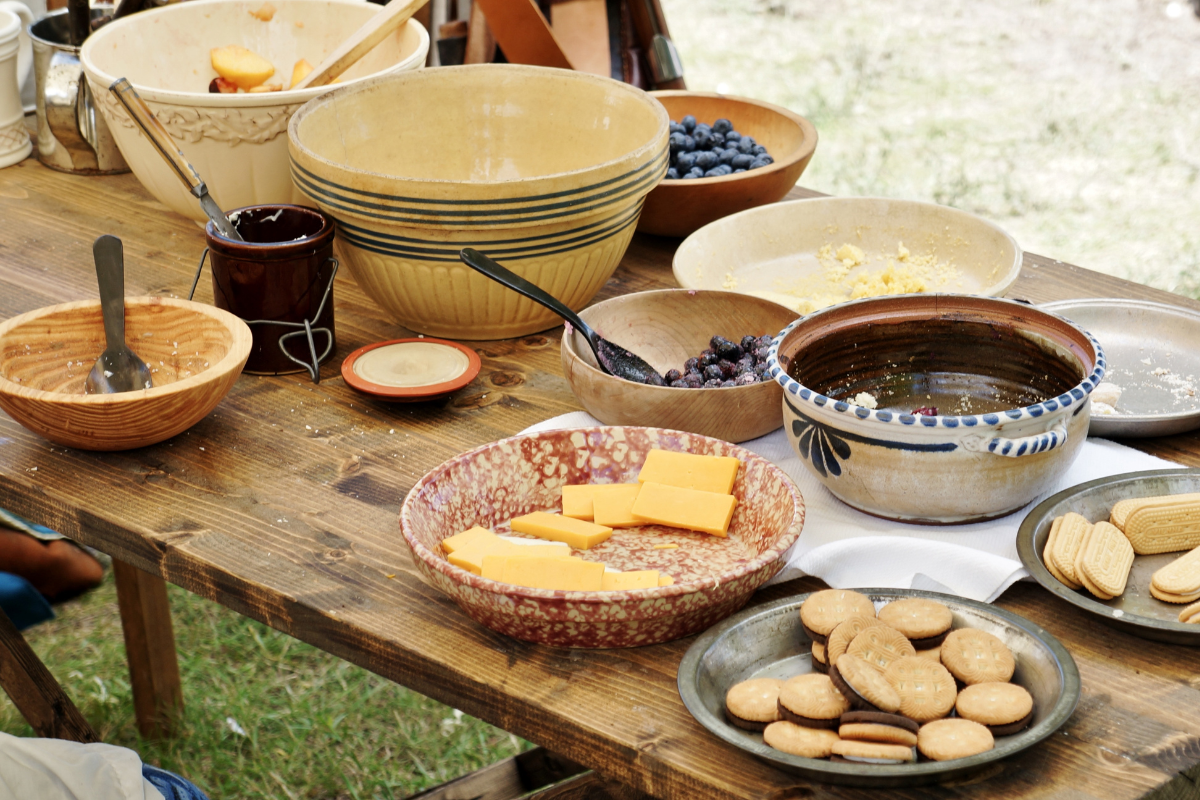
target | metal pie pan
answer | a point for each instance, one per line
(1153, 354)
(768, 642)
(1135, 611)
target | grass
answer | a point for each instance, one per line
(266, 715)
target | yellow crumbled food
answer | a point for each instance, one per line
(730, 283)
(892, 280)
(866, 400)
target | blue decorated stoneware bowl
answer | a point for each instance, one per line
(934, 408)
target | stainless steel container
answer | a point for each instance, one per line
(71, 134)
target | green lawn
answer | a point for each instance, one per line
(311, 725)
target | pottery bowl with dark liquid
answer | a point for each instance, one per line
(1009, 385)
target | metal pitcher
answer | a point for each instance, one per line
(71, 134)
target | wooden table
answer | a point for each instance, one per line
(283, 505)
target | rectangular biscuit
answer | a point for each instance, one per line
(1068, 544)
(1106, 560)
(1164, 527)
(1121, 511)
(1181, 576)
(1049, 561)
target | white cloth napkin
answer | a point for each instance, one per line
(847, 548)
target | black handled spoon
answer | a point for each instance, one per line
(612, 358)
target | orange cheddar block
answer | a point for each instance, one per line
(614, 506)
(688, 471)
(576, 532)
(577, 500)
(621, 581)
(665, 580)
(471, 557)
(469, 536)
(493, 565)
(685, 508)
(568, 574)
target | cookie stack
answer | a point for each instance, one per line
(885, 686)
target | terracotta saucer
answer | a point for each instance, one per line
(410, 370)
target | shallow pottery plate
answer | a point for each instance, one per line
(768, 641)
(409, 370)
(775, 251)
(1153, 354)
(714, 576)
(1135, 611)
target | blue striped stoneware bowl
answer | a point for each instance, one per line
(1003, 390)
(544, 170)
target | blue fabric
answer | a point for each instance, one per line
(23, 604)
(171, 785)
(11, 520)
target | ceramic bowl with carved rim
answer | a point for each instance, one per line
(195, 353)
(237, 142)
(714, 576)
(937, 409)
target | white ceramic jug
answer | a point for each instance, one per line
(16, 58)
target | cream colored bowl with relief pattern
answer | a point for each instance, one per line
(237, 142)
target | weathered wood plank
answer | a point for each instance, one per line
(150, 650)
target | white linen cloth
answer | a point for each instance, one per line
(54, 769)
(847, 548)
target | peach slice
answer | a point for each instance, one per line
(243, 67)
(300, 71)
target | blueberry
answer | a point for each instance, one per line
(745, 145)
(757, 164)
(702, 127)
(718, 140)
(691, 175)
(746, 379)
(672, 375)
(742, 161)
(713, 372)
(712, 384)
(748, 343)
(672, 174)
(706, 159)
(750, 139)
(722, 126)
(676, 142)
(715, 172)
(685, 161)
(727, 155)
(726, 349)
(691, 365)
(689, 144)
(729, 384)
(689, 123)
(708, 359)
(675, 127)
(758, 150)
(736, 171)
(732, 136)
(765, 340)
(765, 157)
(703, 139)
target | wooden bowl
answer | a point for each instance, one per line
(666, 328)
(195, 353)
(678, 207)
(714, 576)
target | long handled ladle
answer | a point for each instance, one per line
(612, 358)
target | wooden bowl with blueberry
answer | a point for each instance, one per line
(728, 154)
(709, 346)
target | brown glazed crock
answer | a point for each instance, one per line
(280, 273)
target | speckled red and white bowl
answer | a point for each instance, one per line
(714, 577)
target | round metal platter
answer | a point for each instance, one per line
(768, 642)
(1153, 353)
(1135, 611)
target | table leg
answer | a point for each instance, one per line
(150, 650)
(35, 692)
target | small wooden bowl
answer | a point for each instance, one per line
(195, 353)
(678, 207)
(666, 328)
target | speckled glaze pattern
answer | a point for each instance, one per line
(934, 469)
(714, 577)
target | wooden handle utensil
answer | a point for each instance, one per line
(375, 30)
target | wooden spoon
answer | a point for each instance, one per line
(387, 20)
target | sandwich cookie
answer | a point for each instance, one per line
(844, 633)
(933, 654)
(1048, 558)
(818, 658)
(1003, 708)
(873, 752)
(879, 646)
(1104, 561)
(796, 740)
(1066, 545)
(925, 623)
(975, 656)
(752, 705)
(948, 739)
(823, 610)
(863, 686)
(927, 689)
(1190, 613)
(1179, 579)
(812, 702)
(873, 732)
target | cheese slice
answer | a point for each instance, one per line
(622, 581)
(614, 506)
(576, 532)
(567, 574)
(471, 557)
(469, 536)
(689, 471)
(493, 565)
(577, 500)
(685, 508)
(665, 580)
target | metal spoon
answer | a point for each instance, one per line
(612, 358)
(118, 369)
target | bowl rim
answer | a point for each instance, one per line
(807, 147)
(243, 100)
(691, 242)
(1078, 393)
(239, 351)
(569, 331)
(645, 154)
(774, 554)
